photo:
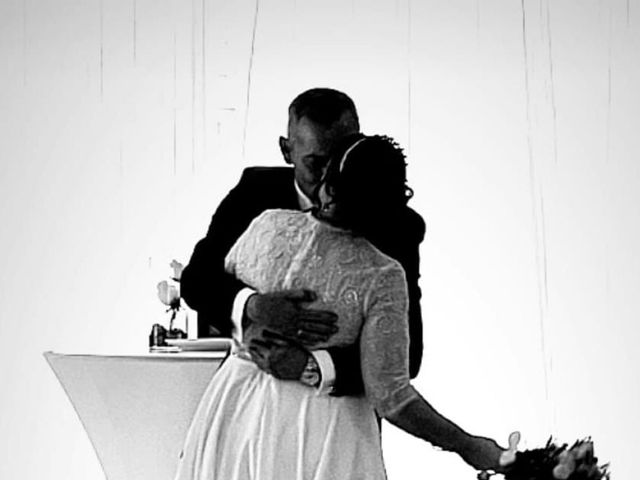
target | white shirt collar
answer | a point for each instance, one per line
(304, 201)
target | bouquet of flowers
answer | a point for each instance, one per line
(558, 462)
(553, 462)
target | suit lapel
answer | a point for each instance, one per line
(285, 196)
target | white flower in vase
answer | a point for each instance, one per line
(169, 294)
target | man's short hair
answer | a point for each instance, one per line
(324, 106)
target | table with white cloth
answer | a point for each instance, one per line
(136, 409)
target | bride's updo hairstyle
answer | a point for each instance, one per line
(370, 183)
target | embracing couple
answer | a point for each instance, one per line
(314, 271)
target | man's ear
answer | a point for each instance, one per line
(285, 149)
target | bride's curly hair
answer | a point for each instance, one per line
(370, 181)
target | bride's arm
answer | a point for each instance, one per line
(419, 418)
(384, 348)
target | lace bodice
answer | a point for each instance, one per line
(284, 249)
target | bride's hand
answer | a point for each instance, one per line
(506, 458)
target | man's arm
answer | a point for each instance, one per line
(287, 359)
(205, 285)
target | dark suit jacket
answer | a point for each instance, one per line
(209, 290)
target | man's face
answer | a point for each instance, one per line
(309, 148)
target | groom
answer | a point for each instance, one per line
(319, 119)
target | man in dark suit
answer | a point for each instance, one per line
(319, 120)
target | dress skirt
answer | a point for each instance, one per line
(252, 426)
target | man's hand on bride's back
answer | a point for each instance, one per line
(283, 358)
(287, 313)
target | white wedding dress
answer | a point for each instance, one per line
(250, 425)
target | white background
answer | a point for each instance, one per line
(124, 122)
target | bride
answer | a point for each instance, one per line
(250, 425)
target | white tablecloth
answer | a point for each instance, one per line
(136, 409)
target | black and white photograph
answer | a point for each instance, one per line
(292, 239)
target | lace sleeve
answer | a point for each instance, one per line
(384, 343)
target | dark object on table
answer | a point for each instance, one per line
(158, 336)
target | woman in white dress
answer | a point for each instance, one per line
(250, 425)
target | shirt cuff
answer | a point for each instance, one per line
(327, 371)
(237, 311)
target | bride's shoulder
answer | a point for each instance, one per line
(278, 215)
(279, 220)
(374, 258)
